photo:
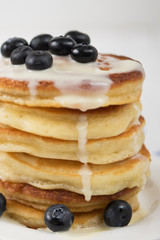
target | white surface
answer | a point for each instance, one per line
(125, 27)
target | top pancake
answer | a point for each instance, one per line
(111, 80)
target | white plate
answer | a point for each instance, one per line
(147, 228)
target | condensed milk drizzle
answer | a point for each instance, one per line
(137, 122)
(85, 171)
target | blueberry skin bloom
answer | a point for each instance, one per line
(84, 53)
(61, 46)
(41, 42)
(118, 213)
(79, 37)
(58, 218)
(11, 44)
(2, 204)
(19, 55)
(38, 60)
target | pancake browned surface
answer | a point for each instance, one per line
(126, 86)
(99, 151)
(42, 199)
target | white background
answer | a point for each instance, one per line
(128, 27)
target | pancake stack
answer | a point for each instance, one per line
(71, 134)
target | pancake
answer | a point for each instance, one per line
(42, 199)
(111, 80)
(34, 218)
(60, 174)
(100, 151)
(62, 123)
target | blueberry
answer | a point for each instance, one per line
(38, 60)
(11, 44)
(2, 204)
(19, 55)
(118, 213)
(79, 37)
(41, 42)
(58, 218)
(61, 45)
(84, 53)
